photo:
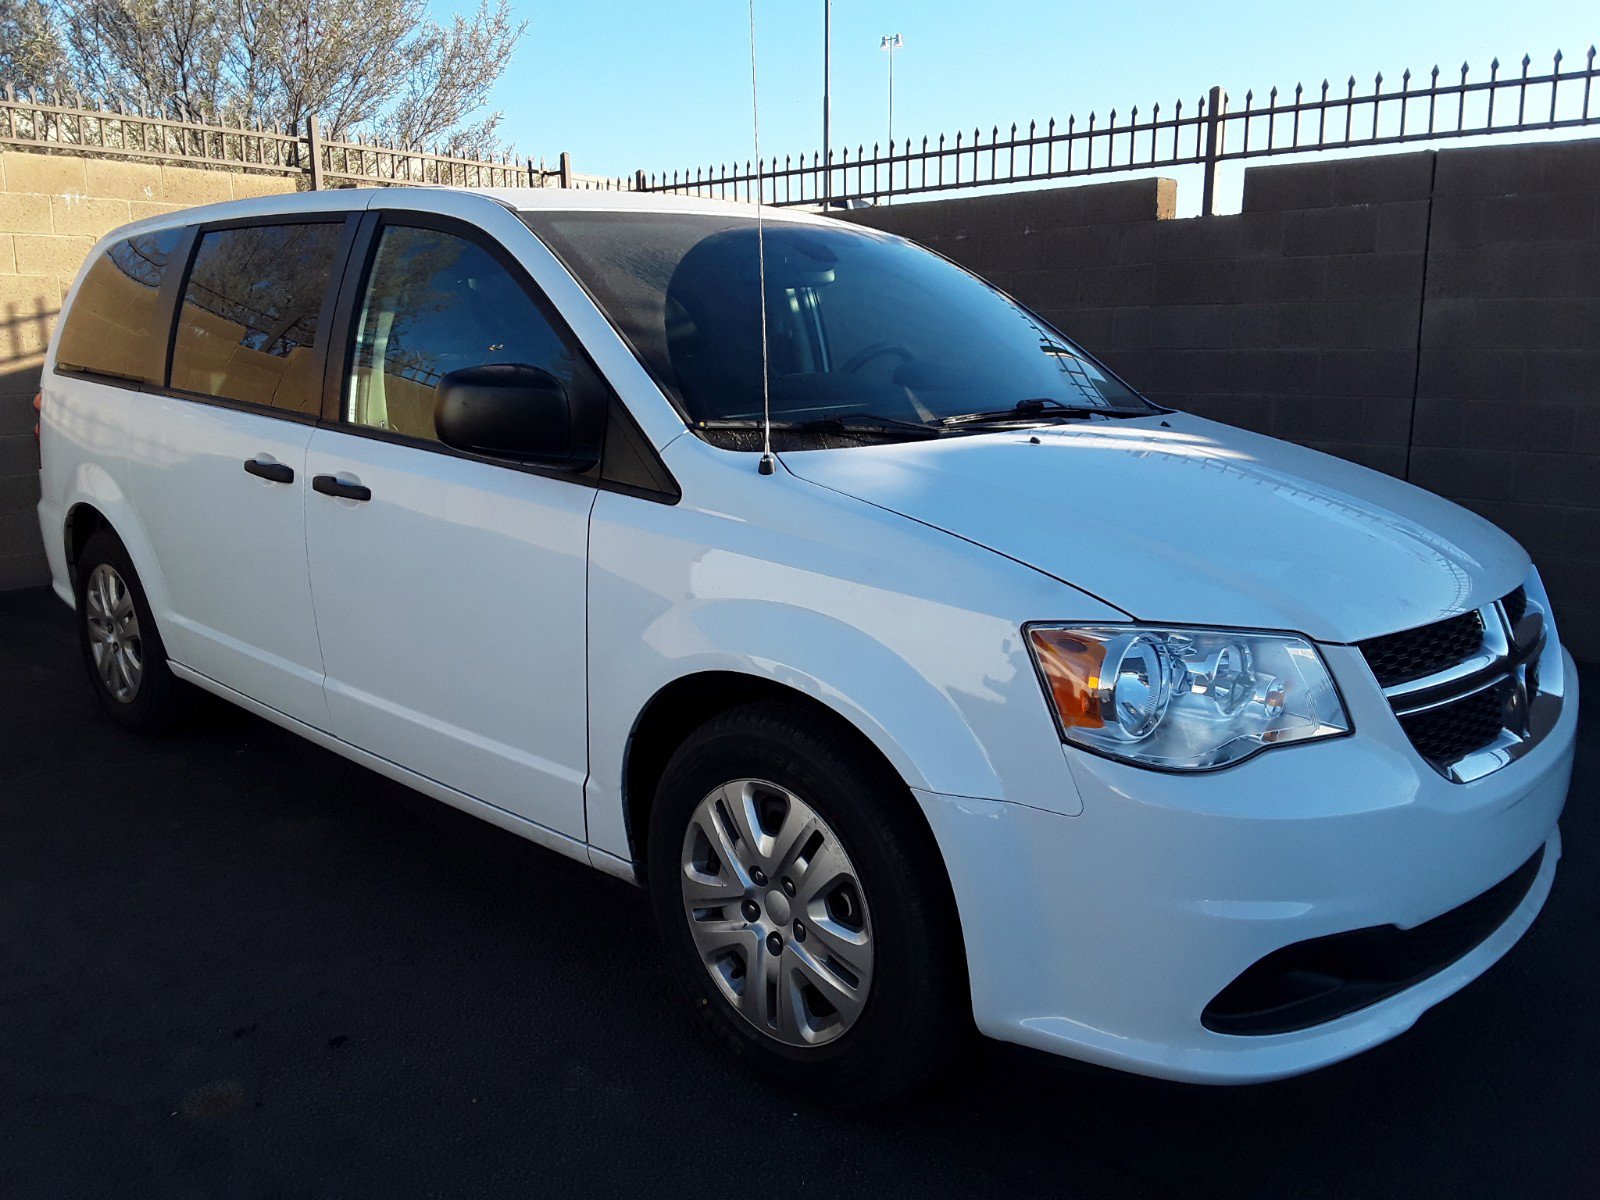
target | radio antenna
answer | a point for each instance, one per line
(768, 463)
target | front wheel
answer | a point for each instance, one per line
(803, 907)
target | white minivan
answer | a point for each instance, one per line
(993, 694)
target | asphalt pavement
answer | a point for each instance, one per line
(235, 965)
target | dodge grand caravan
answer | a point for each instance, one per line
(991, 694)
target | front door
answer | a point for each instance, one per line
(450, 590)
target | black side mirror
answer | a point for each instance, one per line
(512, 410)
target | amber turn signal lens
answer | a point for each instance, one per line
(38, 406)
(1071, 665)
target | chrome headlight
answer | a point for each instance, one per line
(1184, 699)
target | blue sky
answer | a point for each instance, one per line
(625, 85)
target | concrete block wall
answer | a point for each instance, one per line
(53, 208)
(1435, 315)
(1508, 392)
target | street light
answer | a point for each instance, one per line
(891, 42)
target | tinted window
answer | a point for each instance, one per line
(115, 326)
(248, 326)
(857, 321)
(435, 303)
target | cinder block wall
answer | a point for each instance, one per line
(1435, 315)
(53, 208)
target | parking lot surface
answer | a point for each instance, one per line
(233, 964)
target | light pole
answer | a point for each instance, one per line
(827, 98)
(891, 42)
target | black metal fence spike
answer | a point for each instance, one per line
(1526, 59)
(1378, 79)
(1558, 59)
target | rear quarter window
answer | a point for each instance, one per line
(115, 325)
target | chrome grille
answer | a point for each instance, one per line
(1450, 732)
(1467, 690)
(1414, 653)
(1516, 606)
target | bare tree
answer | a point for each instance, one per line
(447, 82)
(360, 66)
(168, 52)
(32, 56)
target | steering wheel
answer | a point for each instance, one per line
(877, 350)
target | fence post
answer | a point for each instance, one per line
(1216, 110)
(566, 169)
(314, 138)
(638, 181)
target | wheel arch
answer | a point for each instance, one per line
(82, 522)
(95, 501)
(683, 705)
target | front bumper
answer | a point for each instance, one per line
(1103, 936)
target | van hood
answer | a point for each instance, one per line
(1175, 519)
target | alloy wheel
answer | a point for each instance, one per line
(114, 638)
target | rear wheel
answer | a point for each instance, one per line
(122, 650)
(803, 907)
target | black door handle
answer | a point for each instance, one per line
(329, 486)
(274, 472)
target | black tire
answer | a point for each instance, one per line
(158, 700)
(916, 1011)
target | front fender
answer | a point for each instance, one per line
(911, 719)
(912, 636)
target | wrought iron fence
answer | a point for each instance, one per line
(143, 131)
(1206, 134)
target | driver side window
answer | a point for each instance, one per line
(435, 303)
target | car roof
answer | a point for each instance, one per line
(517, 199)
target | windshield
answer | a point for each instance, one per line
(859, 324)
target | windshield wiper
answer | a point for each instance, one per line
(862, 423)
(1024, 410)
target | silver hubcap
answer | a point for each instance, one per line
(777, 912)
(114, 634)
